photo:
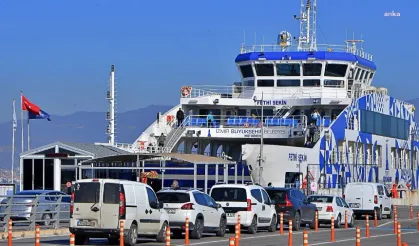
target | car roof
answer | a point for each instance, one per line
(279, 188)
(180, 190)
(324, 195)
(236, 186)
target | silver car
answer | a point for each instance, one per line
(23, 205)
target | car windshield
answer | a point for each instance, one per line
(277, 195)
(229, 194)
(173, 197)
(321, 199)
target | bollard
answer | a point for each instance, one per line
(305, 238)
(239, 222)
(187, 231)
(399, 235)
(395, 223)
(290, 233)
(346, 219)
(358, 236)
(281, 223)
(375, 219)
(237, 234)
(231, 241)
(72, 240)
(316, 226)
(405, 244)
(395, 209)
(9, 233)
(418, 221)
(168, 236)
(332, 229)
(37, 236)
(411, 211)
(367, 226)
(121, 233)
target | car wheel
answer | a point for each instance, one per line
(79, 240)
(223, 227)
(198, 229)
(379, 214)
(390, 215)
(46, 219)
(313, 222)
(161, 237)
(130, 238)
(253, 228)
(352, 222)
(296, 221)
(272, 227)
(338, 221)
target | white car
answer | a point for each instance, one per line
(204, 214)
(365, 198)
(328, 206)
(252, 202)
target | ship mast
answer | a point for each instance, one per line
(111, 113)
(307, 38)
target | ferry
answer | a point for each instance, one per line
(302, 112)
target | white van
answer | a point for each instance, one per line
(365, 198)
(97, 206)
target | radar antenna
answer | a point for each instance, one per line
(307, 39)
(111, 113)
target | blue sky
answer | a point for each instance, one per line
(59, 52)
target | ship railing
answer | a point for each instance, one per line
(249, 92)
(233, 121)
(320, 47)
(125, 146)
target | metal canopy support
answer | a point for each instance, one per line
(195, 185)
(206, 178)
(216, 173)
(235, 174)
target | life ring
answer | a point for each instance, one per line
(186, 91)
(246, 124)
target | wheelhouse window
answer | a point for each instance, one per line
(247, 71)
(266, 83)
(334, 83)
(361, 76)
(311, 82)
(264, 69)
(288, 82)
(336, 70)
(312, 69)
(288, 69)
(249, 83)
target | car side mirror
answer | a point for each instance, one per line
(218, 205)
(161, 204)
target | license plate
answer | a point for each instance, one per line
(231, 215)
(319, 208)
(354, 205)
(85, 223)
(171, 211)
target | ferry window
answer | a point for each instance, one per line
(312, 69)
(311, 82)
(361, 77)
(335, 70)
(247, 71)
(357, 73)
(384, 125)
(288, 69)
(264, 69)
(367, 75)
(288, 82)
(372, 74)
(266, 83)
(334, 83)
(378, 125)
(249, 83)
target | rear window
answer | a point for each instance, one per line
(111, 193)
(277, 195)
(320, 199)
(171, 197)
(229, 195)
(86, 192)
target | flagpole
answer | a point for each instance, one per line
(13, 139)
(21, 118)
(29, 142)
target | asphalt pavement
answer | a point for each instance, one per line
(382, 235)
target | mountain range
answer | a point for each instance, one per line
(77, 127)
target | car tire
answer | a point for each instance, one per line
(253, 228)
(352, 222)
(296, 221)
(272, 227)
(46, 219)
(390, 215)
(80, 240)
(223, 227)
(338, 221)
(161, 237)
(130, 237)
(198, 229)
(313, 222)
(379, 214)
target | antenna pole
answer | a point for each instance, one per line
(111, 114)
(308, 17)
(261, 145)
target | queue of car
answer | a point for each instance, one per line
(98, 205)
